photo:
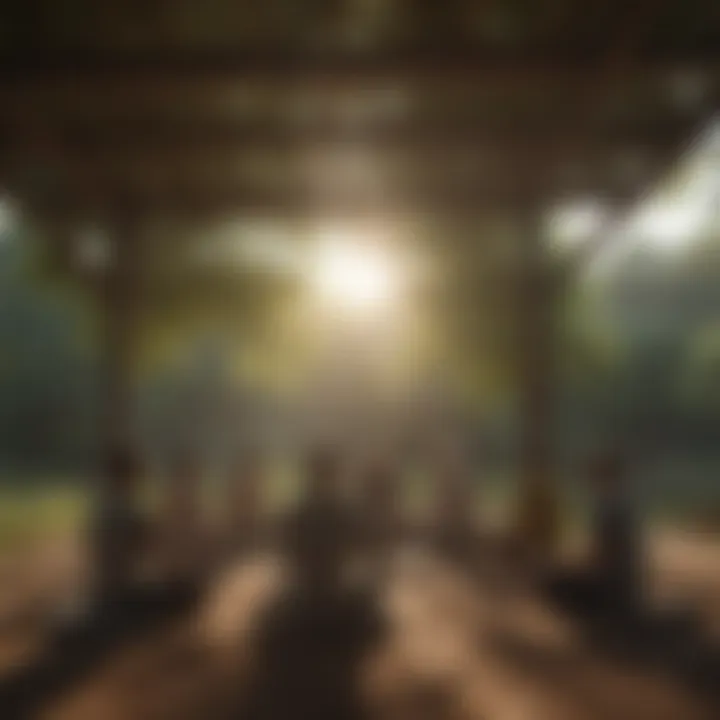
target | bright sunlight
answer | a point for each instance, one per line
(353, 273)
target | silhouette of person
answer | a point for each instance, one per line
(617, 552)
(312, 641)
(119, 533)
(454, 508)
(245, 498)
(610, 586)
(378, 515)
(322, 532)
(183, 536)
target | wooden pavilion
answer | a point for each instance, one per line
(119, 113)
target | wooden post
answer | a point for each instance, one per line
(538, 512)
(117, 526)
(120, 307)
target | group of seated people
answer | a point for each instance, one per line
(134, 555)
(328, 526)
(179, 543)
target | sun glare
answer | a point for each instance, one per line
(354, 274)
(575, 223)
(671, 226)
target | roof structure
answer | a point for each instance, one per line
(196, 112)
(350, 108)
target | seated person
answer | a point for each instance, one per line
(378, 516)
(122, 597)
(120, 533)
(616, 532)
(611, 585)
(245, 498)
(310, 647)
(454, 508)
(378, 503)
(183, 537)
(320, 534)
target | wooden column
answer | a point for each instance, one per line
(117, 532)
(538, 513)
(120, 305)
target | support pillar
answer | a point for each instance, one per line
(117, 529)
(538, 503)
(120, 306)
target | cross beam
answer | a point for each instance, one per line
(210, 70)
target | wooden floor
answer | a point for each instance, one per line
(456, 648)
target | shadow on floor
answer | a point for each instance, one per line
(74, 652)
(308, 658)
(649, 663)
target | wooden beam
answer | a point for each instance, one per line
(536, 354)
(635, 21)
(216, 153)
(110, 71)
(414, 135)
(202, 203)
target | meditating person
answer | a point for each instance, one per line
(617, 552)
(454, 508)
(245, 499)
(378, 516)
(143, 573)
(312, 643)
(183, 535)
(120, 532)
(610, 586)
(321, 533)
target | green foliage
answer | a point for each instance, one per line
(30, 514)
(701, 371)
(48, 375)
(661, 389)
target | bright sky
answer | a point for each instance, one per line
(573, 224)
(668, 220)
(671, 225)
(352, 268)
(353, 273)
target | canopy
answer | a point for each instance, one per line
(354, 108)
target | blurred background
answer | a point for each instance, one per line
(436, 234)
(253, 335)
